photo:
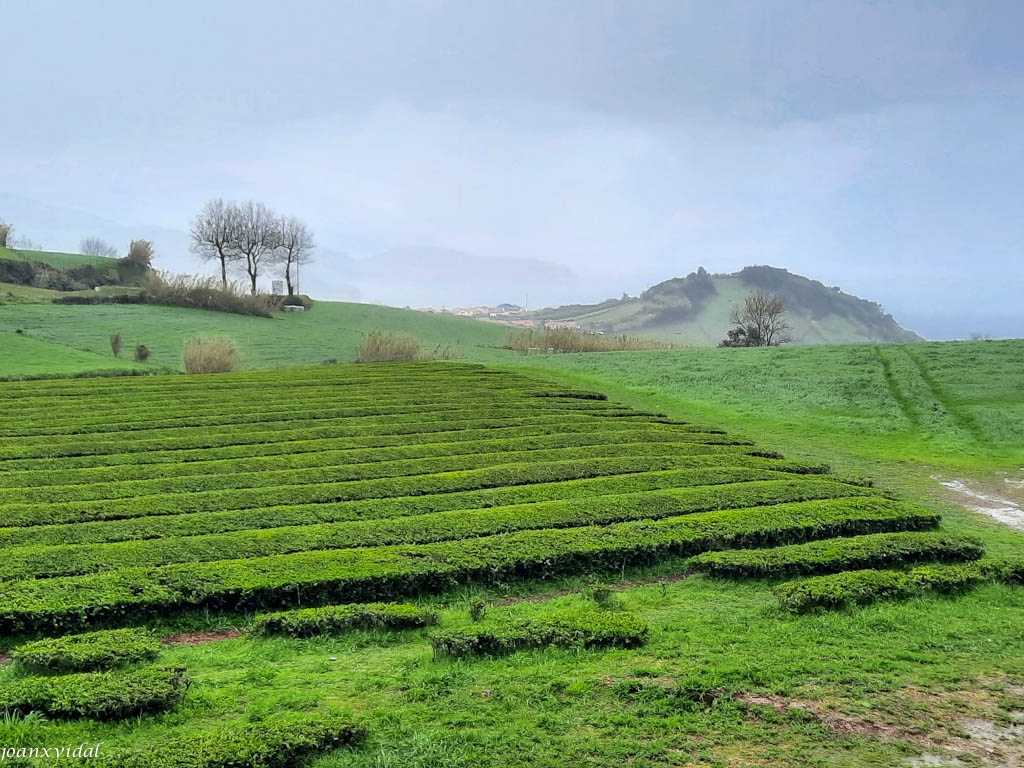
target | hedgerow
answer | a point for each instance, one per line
(333, 619)
(90, 652)
(269, 418)
(331, 473)
(323, 454)
(98, 695)
(193, 438)
(725, 488)
(880, 550)
(582, 630)
(705, 471)
(502, 475)
(126, 458)
(267, 744)
(370, 574)
(852, 588)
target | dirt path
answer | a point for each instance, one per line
(1002, 503)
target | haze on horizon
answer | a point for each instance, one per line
(460, 151)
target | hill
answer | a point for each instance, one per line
(695, 310)
(330, 330)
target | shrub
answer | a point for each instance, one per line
(333, 619)
(142, 353)
(880, 550)
(477, 609)
(571, 340)
(268, 744)
(583, 630)
(203, 293)
(843, 590)
(603, 596)
(204, 355)
(387, 347)
(88, 652)
(140, 254)
(99, 695)
(115, 343)
(5, 233)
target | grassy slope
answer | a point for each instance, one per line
(559, 708)
(956, 403)
(26, 356)
(329, 330)
(59, 260)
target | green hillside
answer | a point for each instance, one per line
(330, 330)
(694, 310)
(59, 260)
(27, 356)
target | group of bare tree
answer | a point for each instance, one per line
(249, 238)
(94, 246)
(140, 252)
(759, 322)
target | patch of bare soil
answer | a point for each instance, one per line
(615, 587)
(949, 727)
(5, 658)
(198, 638)
(1000, 501)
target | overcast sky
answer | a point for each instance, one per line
(878, 145)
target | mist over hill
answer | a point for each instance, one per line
(695, 310)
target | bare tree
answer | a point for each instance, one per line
(214, 237)
(294, 248)
(5, 232)
(255, 238)
(94, 246)
(761, 319)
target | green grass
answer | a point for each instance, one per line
(59, 260)
(27, 356)
(330, 330)
(949, 403)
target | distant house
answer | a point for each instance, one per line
(562, 324)
(524, 323)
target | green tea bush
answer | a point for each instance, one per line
(880, 550)
(97, 695)
(583, 630)
(87, 652)
(368, 574)
(852, 588)
(333, 619)
(268, 744)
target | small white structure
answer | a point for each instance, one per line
(293, 308)
(277, 287)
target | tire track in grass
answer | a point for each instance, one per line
(907, 407)
(963, 420)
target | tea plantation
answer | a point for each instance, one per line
(322, 500)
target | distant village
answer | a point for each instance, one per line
(503, 314)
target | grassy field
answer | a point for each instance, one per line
(331, 330)
(188, 504)
(59, 260)
(27, 356)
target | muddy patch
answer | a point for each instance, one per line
(1001, 503)
(198, 638)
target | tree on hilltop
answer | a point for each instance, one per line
(759, 322)
(294, 247)
(213, 234)
(94, 246)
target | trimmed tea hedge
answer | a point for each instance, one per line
(852, 588)
(880, 550)
(382, 573)
(88, 652)
(583, 630)
(98, 695)
(268, 744)
(734, 488)
(333, 619)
